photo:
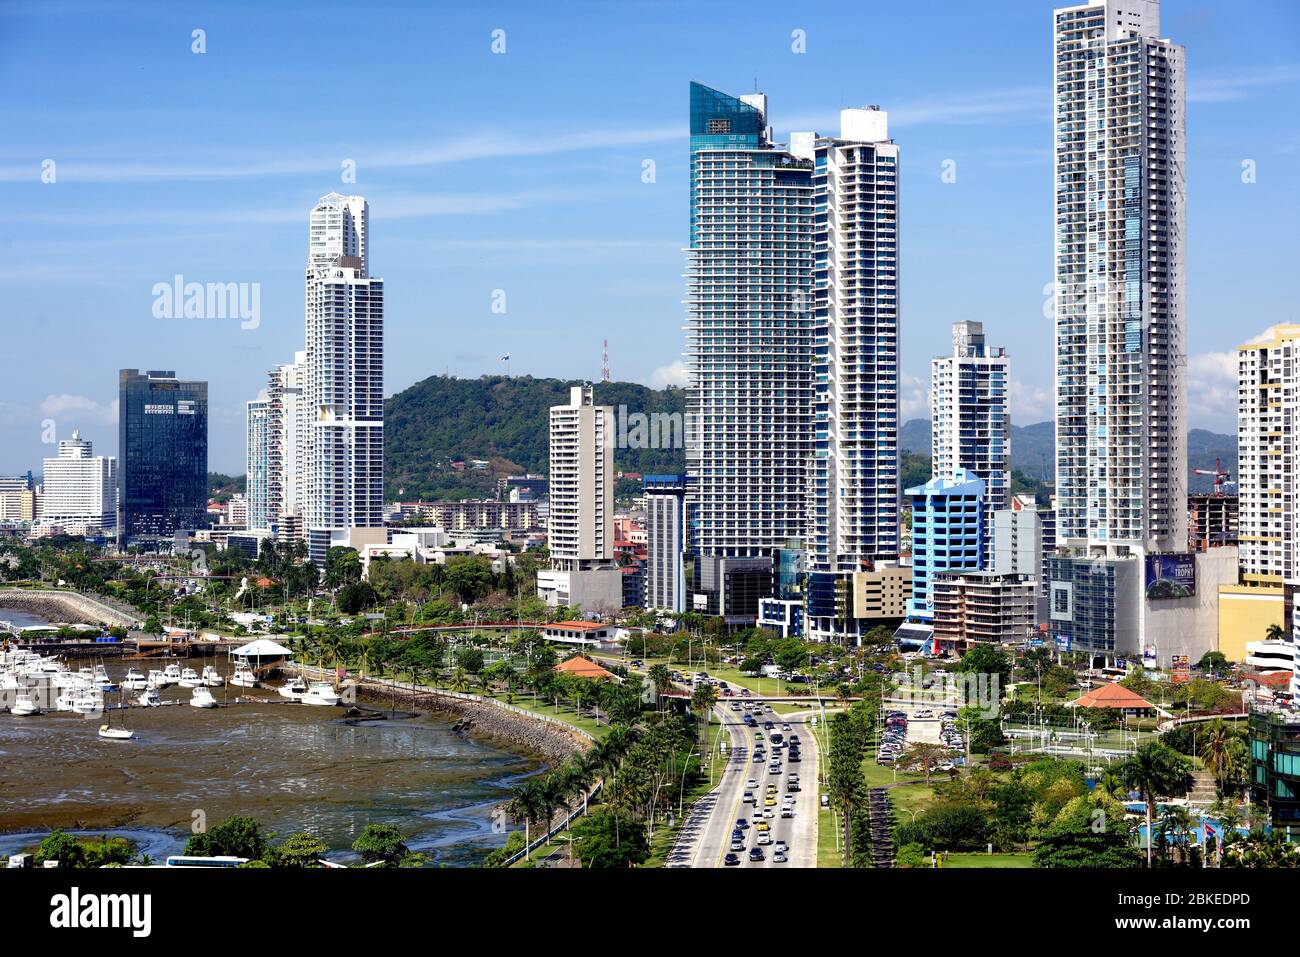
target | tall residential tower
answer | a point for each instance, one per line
(749, 348)
(343, 381)
(972, 427)
(853, 497)
(1121, 324)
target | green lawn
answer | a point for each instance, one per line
(828, 855)
(966, 861)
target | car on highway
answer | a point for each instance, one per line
(758, 757)
(731, 860)
(787, 811)
(794, 757)
(751, 783)
(785, 726)
(748, 798)
(779, 857)
(761, 826)
(756, 854)
(768, 813)
(742, 823)
(764, 839)
(768, 726)
(737, 845)
(769, 801)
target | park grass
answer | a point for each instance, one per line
(968, 861)
(828, 855)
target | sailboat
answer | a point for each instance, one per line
(107, 730)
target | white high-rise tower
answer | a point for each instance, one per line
(343, 379)
(1121, 327)
(972, 427)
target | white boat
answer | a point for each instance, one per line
(244, 678)
(88, 703)
(157, 679)
(212, 678)
(149, 698)
(102, 681)
(321, 693)
(24, 706)
(115, 734)
(293, 689)
(134, 681)
(172, 674)
(201, 697)
(190, 678)
(67, 699)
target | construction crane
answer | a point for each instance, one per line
(1221, 476)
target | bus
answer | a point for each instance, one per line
(180, 860)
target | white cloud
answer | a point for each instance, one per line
(1030, 404)
(948, 109)
(1225, 88)
(78, 409)
(322, 160)
(672, 374)
(1212, 391)
(913, 399)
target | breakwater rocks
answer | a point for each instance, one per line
(546, 737)
(67, 606)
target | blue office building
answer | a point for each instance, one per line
(948, 533)
(162, 454)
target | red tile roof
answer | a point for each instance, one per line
(1113, 696)
(583, 668)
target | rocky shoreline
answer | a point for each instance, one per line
(554, 742)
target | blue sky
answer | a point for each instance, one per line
(522, 172)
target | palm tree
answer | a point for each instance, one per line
(526, 806)
(1153, 770)
(662, 678)
(702, 702)
(459, 679)
(1275, 633)
(1178, 821)
(1214, 751)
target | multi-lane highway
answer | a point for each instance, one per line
(707, 836)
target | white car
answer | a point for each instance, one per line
(751, 784)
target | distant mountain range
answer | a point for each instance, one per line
(1033, 450)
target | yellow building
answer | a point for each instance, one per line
(1245, 613)
(882, 592)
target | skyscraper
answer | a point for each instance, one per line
(79, 488)
(162, 453)
(666, 540)
(972, 427)
(343, 383)
(749, 342)
(286, 438)
(258, 464)
(1121, 349)
(580, 525)
(853, 503)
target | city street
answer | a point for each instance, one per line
(707, 834)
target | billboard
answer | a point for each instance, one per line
(1181, 666)
(1170, 576)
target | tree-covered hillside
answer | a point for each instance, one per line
(504, 421)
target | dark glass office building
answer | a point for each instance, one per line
(162, 425)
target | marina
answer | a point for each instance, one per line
(111, 746)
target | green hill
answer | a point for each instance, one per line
(503, 421)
